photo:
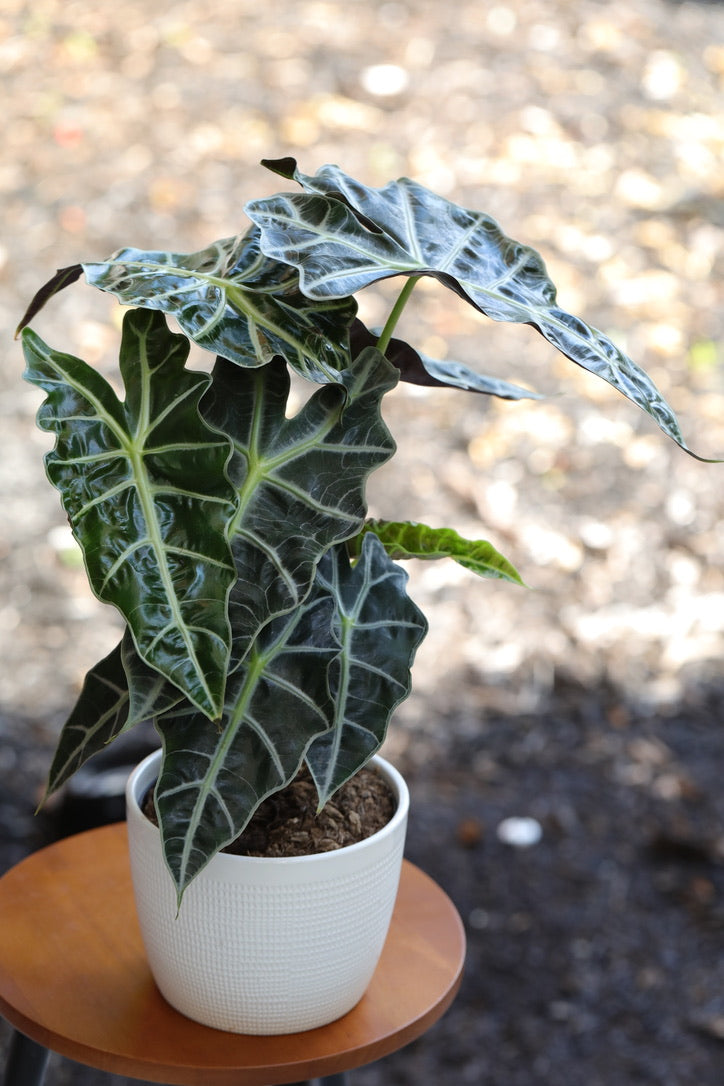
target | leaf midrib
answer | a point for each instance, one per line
(135, 452)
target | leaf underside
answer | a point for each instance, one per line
(417, 369)
(62, 279)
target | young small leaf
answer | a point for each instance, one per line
(62, 278)
(405, 539)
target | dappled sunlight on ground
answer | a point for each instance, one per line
(593, 132)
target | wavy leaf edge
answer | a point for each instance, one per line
(342, 236)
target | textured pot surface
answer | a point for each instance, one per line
(266, 946)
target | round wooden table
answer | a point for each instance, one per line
(74, 978)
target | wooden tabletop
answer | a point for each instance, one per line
(73, 976)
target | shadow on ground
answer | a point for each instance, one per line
(595, 954)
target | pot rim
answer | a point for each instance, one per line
(144, 773)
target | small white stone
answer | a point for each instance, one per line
(501, 20)
(479, 919)
(520, 832)
(663, 76)
(384, 80)
(596, 535)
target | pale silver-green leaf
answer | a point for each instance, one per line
(342, 236)
(234, 301)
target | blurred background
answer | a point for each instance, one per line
(591, 701)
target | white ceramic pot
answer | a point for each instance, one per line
(266, 946)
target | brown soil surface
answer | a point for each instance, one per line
(288, 823)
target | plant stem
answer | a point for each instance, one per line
(402, 299)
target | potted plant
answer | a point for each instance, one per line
(268, 629)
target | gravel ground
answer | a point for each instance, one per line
(592, 701)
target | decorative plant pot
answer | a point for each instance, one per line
(266, 946)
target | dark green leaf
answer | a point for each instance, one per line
(404, 539)
(213, 779)
(379, 629)
(146, 493)
(99, 715)
(342, 236)
(106, 707)
(339, 661)
(232, 300)
(300, 480)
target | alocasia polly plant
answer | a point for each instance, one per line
(267, 622)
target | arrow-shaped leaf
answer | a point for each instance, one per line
(405, 539)
(233, 300)
(300, 480)
(379, 629)
(118, 693)
(340, 661)
(144, 486)
(342, 236)
(213, 779)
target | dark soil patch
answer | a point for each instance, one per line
(288, 823)
(595, 955)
